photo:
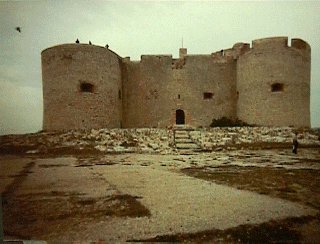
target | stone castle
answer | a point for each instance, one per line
(87, 86)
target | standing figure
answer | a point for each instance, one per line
(295, 143)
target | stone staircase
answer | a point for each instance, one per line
(183, 141)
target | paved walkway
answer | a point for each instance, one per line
(179, 203)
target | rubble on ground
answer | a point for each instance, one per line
(144, 140)
(235, 137)
(152, 140)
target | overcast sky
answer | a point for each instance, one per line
(132, 29)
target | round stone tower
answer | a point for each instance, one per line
(273, 83)
(81, 87)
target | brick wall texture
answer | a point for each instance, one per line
(87, 86)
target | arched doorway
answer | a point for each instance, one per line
(180, 117)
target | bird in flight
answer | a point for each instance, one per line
(18, 29)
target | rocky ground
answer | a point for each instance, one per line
(243, 185)
(148, 140)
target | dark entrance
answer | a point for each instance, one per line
(180, 117)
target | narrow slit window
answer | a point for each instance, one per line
(86, 87)
(277, 87)
(119, 94)
(207, 95)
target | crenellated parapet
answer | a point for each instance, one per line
(270, 43)
(300, 44)
(273, 83)
(230, 54)
(265, 83)
(81, 87)
(277, 43)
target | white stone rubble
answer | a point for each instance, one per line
(151, 140)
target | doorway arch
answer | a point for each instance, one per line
(180, 117)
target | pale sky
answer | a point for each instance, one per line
(133, 29)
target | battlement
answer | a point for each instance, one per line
(241, 48)
(165, 60)
(224, 54)
(276, 42)
(270, 43)
(126, 60)
(81, 80)
(230, 54)
(75, 45)
(300, 44)
(70, 51)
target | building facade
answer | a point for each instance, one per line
(88, 86)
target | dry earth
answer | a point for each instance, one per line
(226, 196)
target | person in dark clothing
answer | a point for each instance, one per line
(295, 144)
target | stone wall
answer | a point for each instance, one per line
(146, 94)
(69, 101)
(270, 62)
(157, 86)
(201, 76)
(86, 86)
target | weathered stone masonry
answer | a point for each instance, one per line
(87, 86)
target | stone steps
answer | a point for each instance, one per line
(183, 134)
(187, 146)
(183, 141)
(186, 137)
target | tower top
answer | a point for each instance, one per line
(182, 52)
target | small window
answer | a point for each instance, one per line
(178, 96)
(277, 87)
(86, 87)
(119, 94)
(207, 95)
